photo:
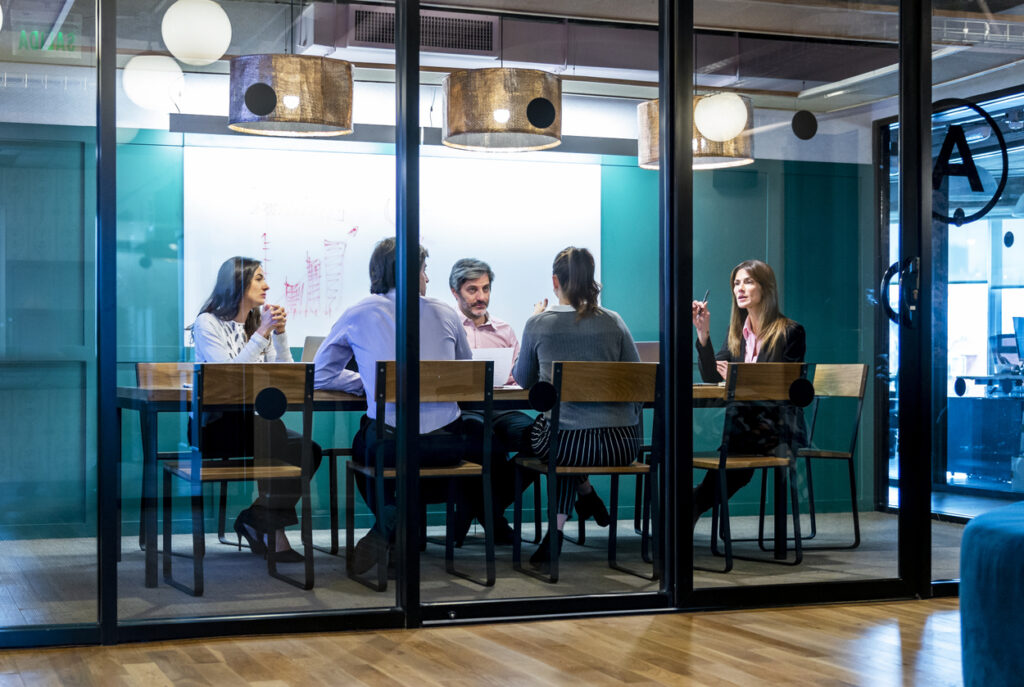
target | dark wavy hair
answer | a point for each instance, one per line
(233, 279)
(574, 268)
(382, 265)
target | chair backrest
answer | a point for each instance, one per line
(163, 375)
(763, 381)
(840, 380)
(650, 351)
(441, 381)
(605, 381)
(237, 384)
(310, 347)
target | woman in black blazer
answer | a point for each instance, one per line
(758, 332)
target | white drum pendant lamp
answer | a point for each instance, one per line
(290, 95)
(502, 110)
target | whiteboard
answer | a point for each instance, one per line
(313, 219)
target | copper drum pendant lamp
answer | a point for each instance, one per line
(502, 110)
(648, 125)
(290, 95)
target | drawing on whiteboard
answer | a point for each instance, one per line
(313, 218)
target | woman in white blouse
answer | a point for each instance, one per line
(236, 324)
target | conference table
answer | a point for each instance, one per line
(149, 402)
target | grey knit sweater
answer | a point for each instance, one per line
(557, 335)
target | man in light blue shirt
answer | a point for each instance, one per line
(367, 332)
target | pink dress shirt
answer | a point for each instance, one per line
(493, 333)
(752, 347)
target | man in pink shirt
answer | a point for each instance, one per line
(470, 281)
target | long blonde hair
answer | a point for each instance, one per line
(773, 323)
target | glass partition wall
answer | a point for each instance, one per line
(255, 178)
(528, 172)
(236, 231)
(48, 351)
(789, 187)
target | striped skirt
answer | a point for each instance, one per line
(601, 446)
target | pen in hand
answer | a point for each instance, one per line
(705, 299)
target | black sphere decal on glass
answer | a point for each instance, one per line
(801, 392)
(542, 396)
(805, 125)
(541, 113)
(271, 403)
(260, 99)
(1008, 239)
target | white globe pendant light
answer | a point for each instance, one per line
(154, 82)
(720, 117)
(197, 32)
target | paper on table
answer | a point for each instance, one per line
(502, 358)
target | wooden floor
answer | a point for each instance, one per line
(901, 643)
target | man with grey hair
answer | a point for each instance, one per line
(470, 281)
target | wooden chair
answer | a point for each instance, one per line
(267, 390)
(836, 381)
(469, 382)
(770, 384)
(158, 376)
(588, 382)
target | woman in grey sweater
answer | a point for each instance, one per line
(577, 328)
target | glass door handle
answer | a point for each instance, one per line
(910, 291)
(883, 292)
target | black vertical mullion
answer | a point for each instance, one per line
(915, 440)
(407, 227)
(675, 93)
(108, 447)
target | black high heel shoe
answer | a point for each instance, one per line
(256, 544)
(541, 558)
(591, 506)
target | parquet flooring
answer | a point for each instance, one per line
(877, 644)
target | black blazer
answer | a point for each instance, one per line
(756, 429)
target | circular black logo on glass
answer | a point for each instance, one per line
(260, 99)
(955, 159)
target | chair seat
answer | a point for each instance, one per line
(817, 453)
(233, 470)
(463, 469)
(711, 462)
(635, 468)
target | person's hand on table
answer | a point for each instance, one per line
(723, 368)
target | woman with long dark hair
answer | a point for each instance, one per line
(577, 328)
(236, 324)
(758, 333)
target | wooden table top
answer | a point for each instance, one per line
(135, 394)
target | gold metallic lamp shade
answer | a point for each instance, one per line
(291, 95)
(502, 109)
(648, 125)
(722, 132)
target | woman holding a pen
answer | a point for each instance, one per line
(758, 333)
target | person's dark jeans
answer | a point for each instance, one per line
(511, 438)
(446, 446)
